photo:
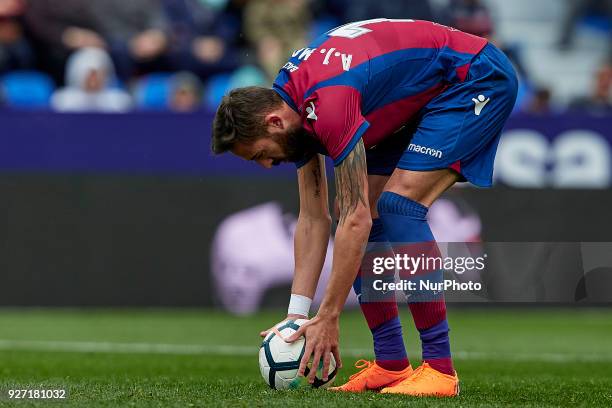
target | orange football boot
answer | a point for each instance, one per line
(426, 382)
(372, 377)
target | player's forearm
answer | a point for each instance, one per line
(349, 246)
(310, 246)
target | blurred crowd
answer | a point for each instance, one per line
(183, 55)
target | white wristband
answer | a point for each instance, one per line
(299, 305)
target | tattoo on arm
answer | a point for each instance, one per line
(316, 174)
(351, 176)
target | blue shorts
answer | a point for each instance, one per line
(460, 128)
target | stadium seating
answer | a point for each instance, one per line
(214, 90)
(27, 89)
(538, 32)
(220, 84)
(153, 91)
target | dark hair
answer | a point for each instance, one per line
(240, 116)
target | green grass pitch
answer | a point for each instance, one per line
(189, 358)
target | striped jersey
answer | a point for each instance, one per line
(369, 78)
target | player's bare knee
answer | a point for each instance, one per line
(423, 187)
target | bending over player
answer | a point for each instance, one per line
(405, 109)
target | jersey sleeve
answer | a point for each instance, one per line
(334, 114)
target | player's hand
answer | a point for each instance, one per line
(321, 334)
(289, 317)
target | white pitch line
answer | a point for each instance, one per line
(228, 350)
(136, 348)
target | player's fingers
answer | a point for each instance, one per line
(336, 352)
(264, 333)
(315, 364)
(299, 333)
(305, 358)
(326, 360)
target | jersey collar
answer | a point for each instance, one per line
(283, 94)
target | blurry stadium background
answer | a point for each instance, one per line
(111, 198)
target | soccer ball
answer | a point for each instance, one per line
(279, 361)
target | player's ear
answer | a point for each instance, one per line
(274, 120)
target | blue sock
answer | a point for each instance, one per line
(406, 227)
(382, 314)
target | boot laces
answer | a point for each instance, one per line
(418, 373)
(364, 365)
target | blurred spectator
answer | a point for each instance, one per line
(599, 102)
(89, 76)
(185, 93)
(202, 36)
(357, 10)
(57, 29)
(539, 104)
(219, 85)
(276, 28)
(471, 16)
(217, 40)
(577, 10)
(15, 52)
(474, 17)
(135, 31)
(132, 30)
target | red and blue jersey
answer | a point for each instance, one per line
(365, 80)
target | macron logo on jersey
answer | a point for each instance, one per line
(311, 112)
(425, 150)
(480, 103)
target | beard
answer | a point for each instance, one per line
(297, 144)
